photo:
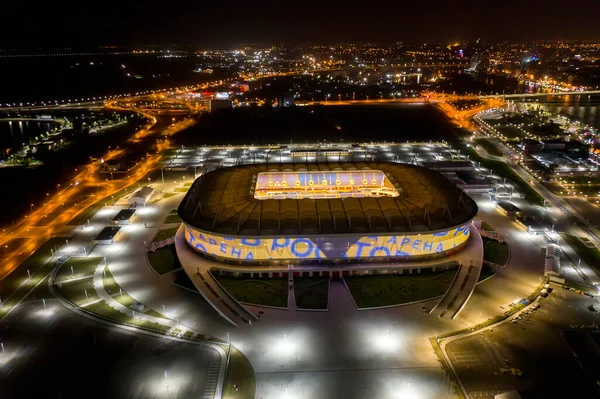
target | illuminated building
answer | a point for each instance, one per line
(325, 213)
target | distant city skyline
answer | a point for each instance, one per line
(70, 23)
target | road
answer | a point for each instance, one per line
(77, 196)
(559, 93)
(565, 214)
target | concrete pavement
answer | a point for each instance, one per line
(464, 283)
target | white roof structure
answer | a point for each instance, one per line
(141, 196)
(552, 262)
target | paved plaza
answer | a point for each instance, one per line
(99, 360)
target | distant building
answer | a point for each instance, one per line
(107, 235)
(480, 61)
(286, 100)
(339, 74)
(450, 166)
(124, 216)
(552, 262)
(244, 87)
(534, 146)
(112, 167)
(508, 208)
(142, 196)
(532, 226)
(476, 188)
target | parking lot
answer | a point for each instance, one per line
(528, 354)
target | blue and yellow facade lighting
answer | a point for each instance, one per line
(328, 247)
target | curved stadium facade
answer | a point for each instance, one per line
(325, 212)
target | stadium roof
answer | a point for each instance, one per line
(223, 201)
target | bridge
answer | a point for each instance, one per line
(60, 121)
(558, 93)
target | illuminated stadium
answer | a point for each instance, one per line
(326, 213)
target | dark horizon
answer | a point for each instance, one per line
(75, 24)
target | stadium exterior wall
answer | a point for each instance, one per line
(324, 248)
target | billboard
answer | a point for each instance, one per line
(326, 246)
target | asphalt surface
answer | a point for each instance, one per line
(534, 345)
(53, 353)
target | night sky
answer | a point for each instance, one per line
(217, 22)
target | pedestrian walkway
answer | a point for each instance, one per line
(291, 302)
(211, 382)
(216, 373)
(465, 281)
(110, 301)
(198, 270)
